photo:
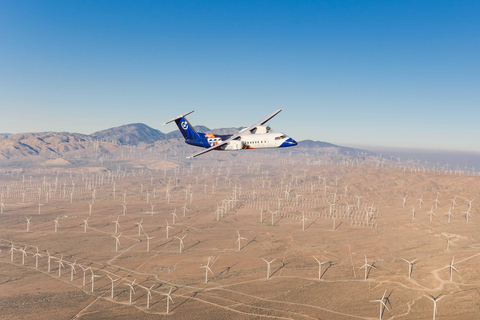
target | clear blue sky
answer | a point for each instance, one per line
(388, 73)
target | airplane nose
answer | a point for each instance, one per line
(289, 143)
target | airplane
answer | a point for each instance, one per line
(257, 136)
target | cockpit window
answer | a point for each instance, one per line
(280, 137)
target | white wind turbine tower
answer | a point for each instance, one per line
(12, 249)
(207, 269)
(153, 206)
(24, 254)
(272, 215)
(434, 299)
(117, 224)
(431, 214)
(448, 239)
(470, 204)
(92, 279)
(84, 271)
(181, 242)
(169, 298)
(303, 221)
(36, 255)
(404, 201)
(451, 267)
(90, 208)
(149, 295)
(382, 304)
(453, 202)
(124, 208)
(72, 269)
(174, 215)
(449, 213)
(60, 266)
(421, 201)
(239, 239)
(413, 212)
(410, 267)
(28, 223)
(167, 227)
(366, 266)
(2, 207)
(436, 202)
(148, 241)
(140, 227)
(113, 281)
(268, 267)
(57, 224)
(185, 208)
(49, 258)
(85, 225)
(320, 267)
(117, 241)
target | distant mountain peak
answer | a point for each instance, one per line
(130, 134)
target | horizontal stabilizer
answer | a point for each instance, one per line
(180, 116)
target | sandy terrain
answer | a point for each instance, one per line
(365, 218)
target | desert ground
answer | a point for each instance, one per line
(255, 235)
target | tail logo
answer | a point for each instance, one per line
(184, 125)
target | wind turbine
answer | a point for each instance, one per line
(320, 267)
(268, 267)
(174, 215)
(449, 213)
(168, 299)
(366, 266)
(92, 279)
(49, 258)
(382, 304)
(421, 201)
(24, 254)
(410, 266)
(167, 227)
(436, 202)
(303, 221)
(140, 227)
(149, 295)
(181, 242)
(185, 208)
(12, 249)
(434, 299)
(117, 241)
(72, 269)
(36, 255)
(148, 241)
(84, 271)
(239, 239)
(207, 269)
(28, 223)
(113, 281)
(60, 266)
(453, 202)
(431, 213)
(85, 225)
(451, 267)
(404, 201)
(117, 224)
(57, 224)
(448, 238)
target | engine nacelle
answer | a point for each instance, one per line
(234, 145)
(260, 130)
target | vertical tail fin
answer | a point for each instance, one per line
(185, 127)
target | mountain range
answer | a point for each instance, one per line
(59, 144)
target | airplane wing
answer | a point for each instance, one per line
(237, 135)
(261, 122)
(209, 149)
